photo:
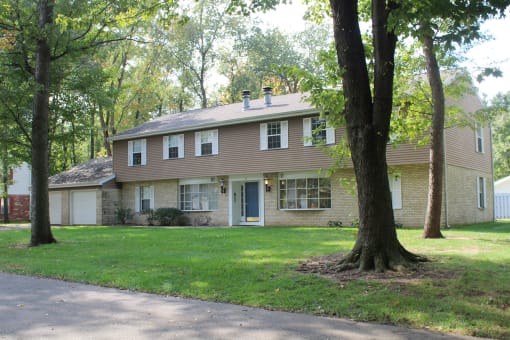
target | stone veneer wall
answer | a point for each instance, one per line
(414, 186)
(462, 196)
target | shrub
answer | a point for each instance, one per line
(123, 215)
(182, 220)
(335, 223)
(167, 216)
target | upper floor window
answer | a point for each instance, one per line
(203, 196)
(206, 143)
(144, 199)
(137, 153)
(479, 138)
(274, 135)
(316, 132)
(305, 193)
(481, 192)
(173, 146)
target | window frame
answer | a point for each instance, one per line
(206, 137)
(139, 192)
(199, 193)
(308, 132)
(481, 192)
(291, 195)
(479, 140)
(173, 141)
(132, 146)
(284, 135)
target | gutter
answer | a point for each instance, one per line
(216, 124)
(492, 174)
(81, 184)
(445, 174)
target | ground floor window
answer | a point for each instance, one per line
(144, 200)
(481, 191)
(199, 197)
(305, 193)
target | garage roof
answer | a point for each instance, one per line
(95, 172)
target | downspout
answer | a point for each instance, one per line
(492, 173)
(445, 170)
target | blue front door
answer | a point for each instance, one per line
(252, 202)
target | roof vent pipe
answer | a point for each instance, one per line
(246, 100)
(268, 92)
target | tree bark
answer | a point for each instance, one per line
(41, 228)
(432, 227)
(367, 121)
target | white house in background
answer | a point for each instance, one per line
(502, 186)
(18, 194)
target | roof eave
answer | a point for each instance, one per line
(243, 120)
(98, 183)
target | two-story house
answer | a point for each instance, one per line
(258, 163)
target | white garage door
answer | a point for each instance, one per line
(55, 207)
(83, 207)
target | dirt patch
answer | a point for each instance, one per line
(321, 265)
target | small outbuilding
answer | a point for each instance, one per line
(85, 195)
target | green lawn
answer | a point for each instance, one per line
(256, 267)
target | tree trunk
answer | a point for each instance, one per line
(432, 227)
(377, 247)
(41, 229)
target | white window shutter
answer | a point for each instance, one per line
(137, 199)
(144, 151)
(396, 191)
(130, 153)
(152, 198)
(181, 145)
(215, 142)
(198, 144)
(165, 147)
(330, 135)
(284, 134)
(263, 136)
(307, 131)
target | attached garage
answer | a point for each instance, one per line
(85, 195)
(83, 207)
(56, 207)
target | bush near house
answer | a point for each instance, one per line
(169, 217)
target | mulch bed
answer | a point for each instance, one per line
(321, 265)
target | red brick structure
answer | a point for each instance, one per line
(19, 208)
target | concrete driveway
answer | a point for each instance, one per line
(34, 308)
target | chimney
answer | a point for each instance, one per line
(268, 91)
(246, 100)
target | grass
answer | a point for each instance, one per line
(256, 267)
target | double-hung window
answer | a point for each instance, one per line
(173, 146)
(206, 143)
(137, 152)
(305, 193)
(316, 132)
(199, 196)
(479, 138)
(481, 189)
(274, 135)
(144, 199)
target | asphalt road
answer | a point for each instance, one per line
(35, 308)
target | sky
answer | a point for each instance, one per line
(495, 52)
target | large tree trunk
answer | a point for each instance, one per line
(41, 229)
(377, 247)
(432, 227)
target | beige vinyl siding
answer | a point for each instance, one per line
(239, 153)
(461, 149)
